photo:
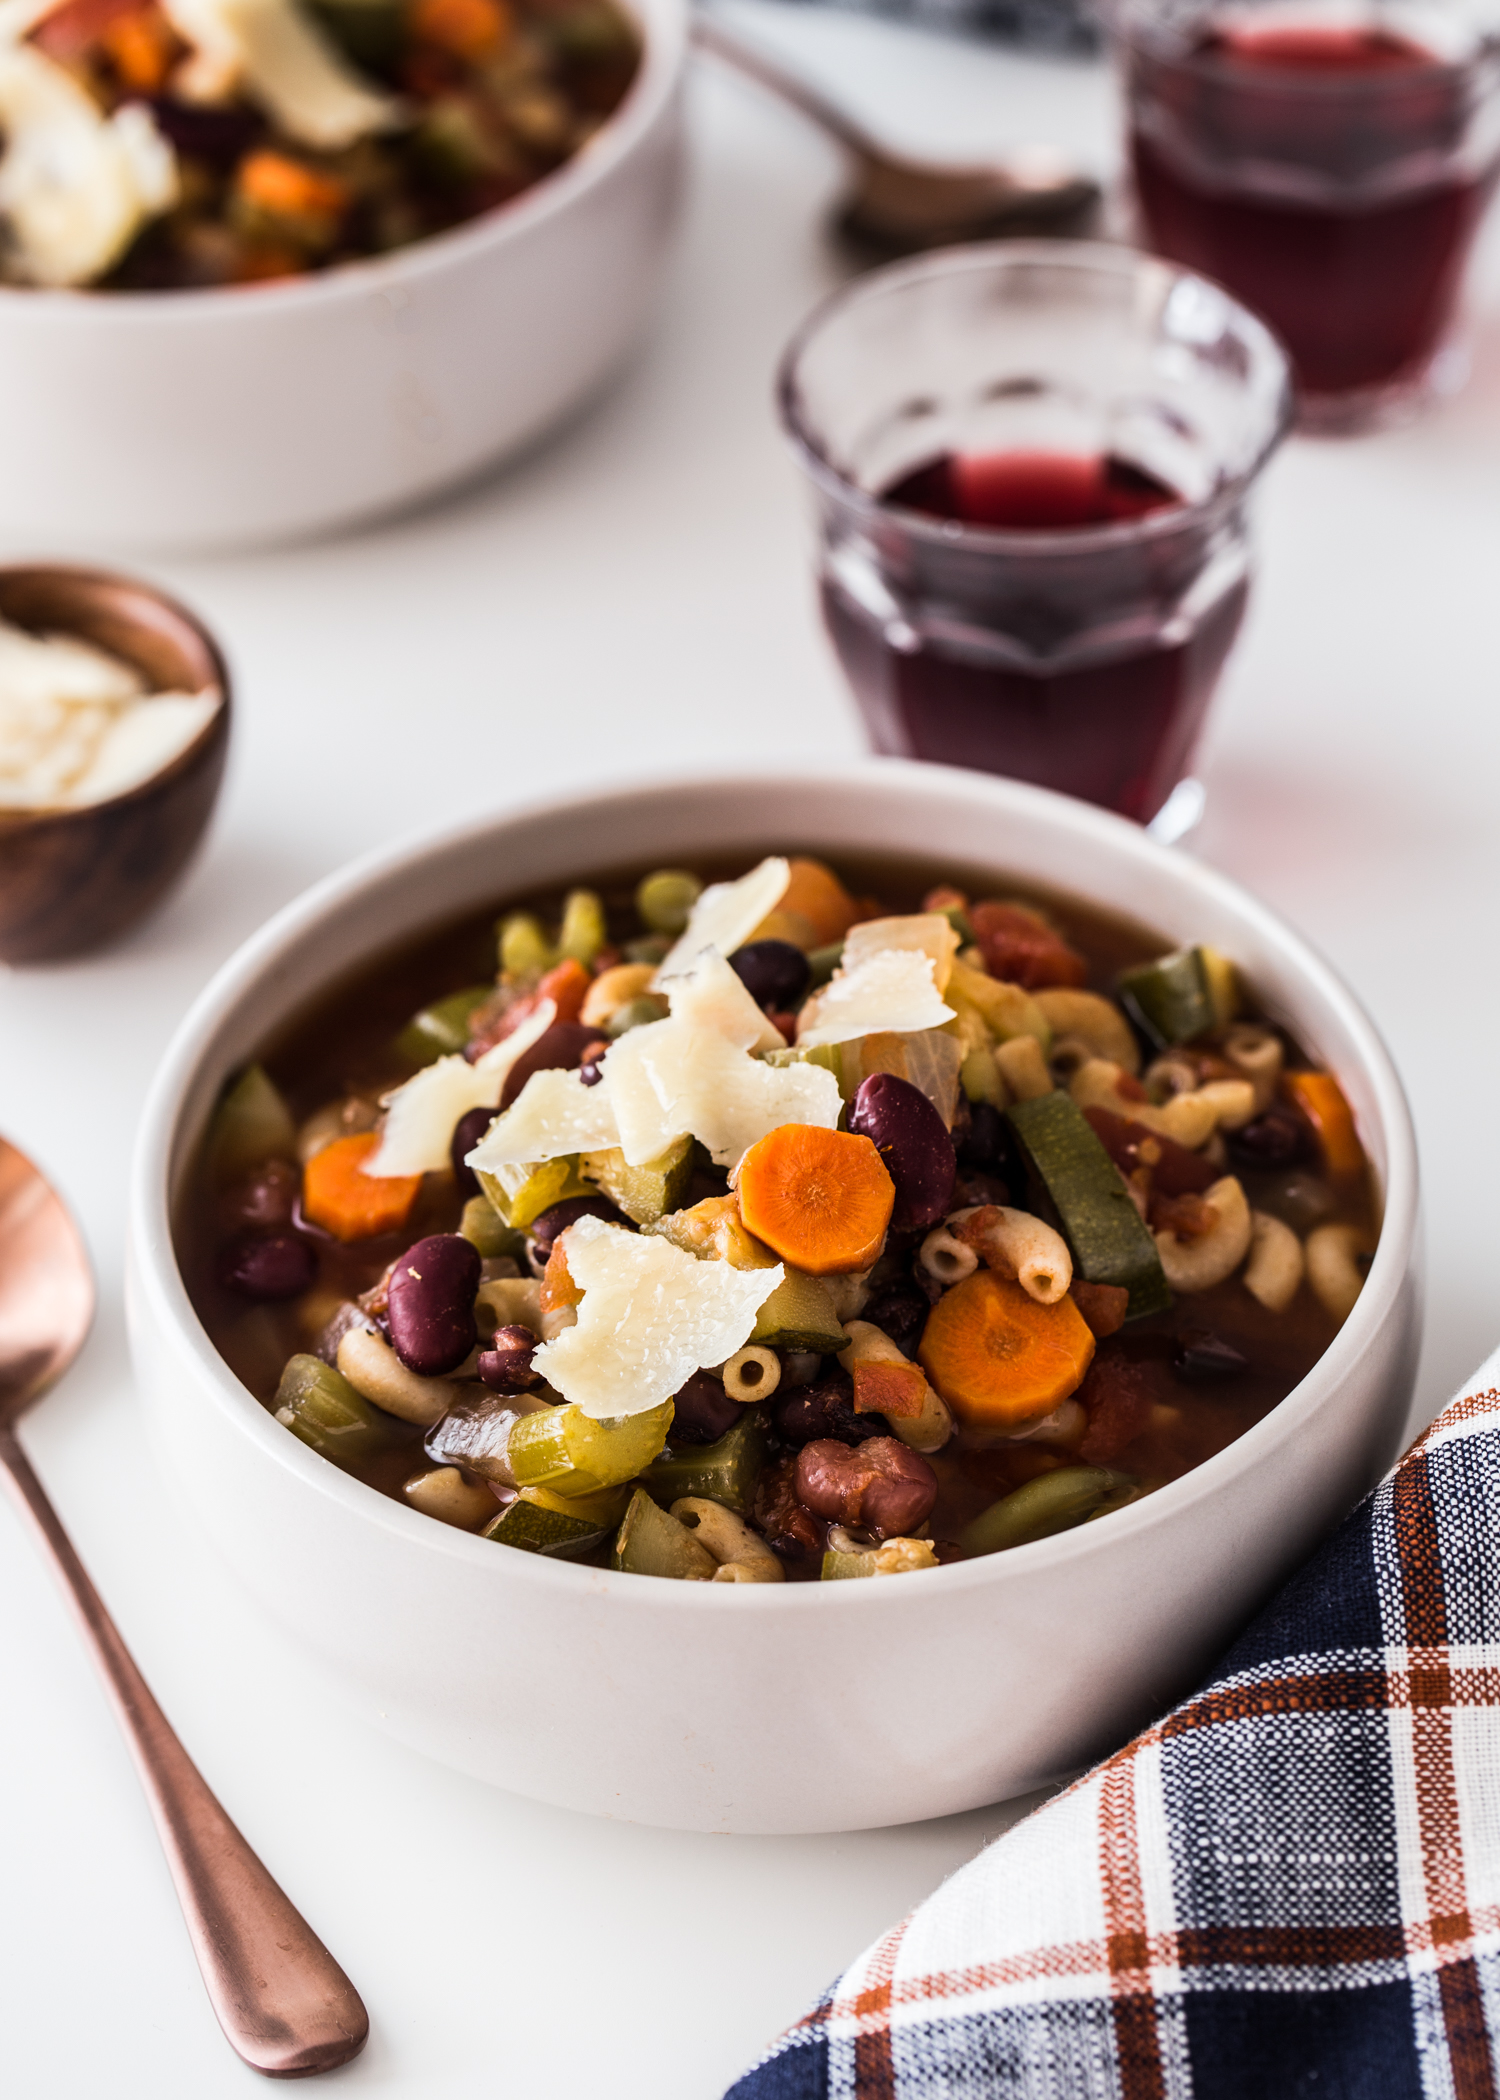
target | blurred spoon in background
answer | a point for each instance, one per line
(898, 205)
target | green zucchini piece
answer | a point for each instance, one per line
(319, 1405)
(521, 1193)
(535, 1529)
(564, 1449)
(1105, 1232)
(251, 1125)
(1052, 1502)
(442, 1029)
(643, 1193)
(723, 1472)
(483, 1227)
(799, 1314)
(652, 1542)
(1180, 996)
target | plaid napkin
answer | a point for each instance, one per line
(1290, 1886)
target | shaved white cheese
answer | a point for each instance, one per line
(711, 996)
(285, 62)
(925, 932)
(420, 1116)
(75, 185)
(726, 915)
(554, 1113)
(670, 1080)
(889, 992)
(650, 1316)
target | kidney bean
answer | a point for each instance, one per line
(561, 1047)
(702, 1411)
(1279, 1138)
(825, 1409)
(267, 1266)
(467, 1132)
(591, 1065)
(1174, 1170)
(1202, 1358)
(430, 1304)
(774, 973)
(265, 1198)
(505, 1366)
(552, 1224)
(220, 135)
(882, 1486)
(791, 1528)
(912, 1138)
(901, 1312)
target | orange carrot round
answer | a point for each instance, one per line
(821, 1199)
(567, 986)
(1323, 1102)
(998, 1357)
(349, 1203)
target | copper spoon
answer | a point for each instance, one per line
(283, 2001)
(899, 206)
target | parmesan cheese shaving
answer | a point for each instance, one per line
(712, 996)
(285, 62)
(650, 1316)
(554, 1114)
(670, 1080)
(925, 932)
(726, 915)
(891, 992)
(420, 1116)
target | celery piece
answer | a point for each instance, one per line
(605, 1506)
(251, 1125)
(553, 1532)
(319, 1405)
(483, 1227)
(583, 931)
(525, 951)
(565, 1449)
(521, 1193)
(979, 1076)
(1171, 999)
(644, 1193)
(665, 901)
(1104, 1230)
(799, 1314)
(1053, 1502)
(442, 1029)
(652, 1542)
(724, 1472)
(838, 1567)
(822, 962)
(713, 1230)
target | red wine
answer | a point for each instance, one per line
(1258, 160)
(1117, 724)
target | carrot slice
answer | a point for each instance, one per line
(287, 189)
(1322, 1100)
(567, 986)
(817, 893)
(468, 28)
(998, 1357)
(821, 1199)
(349, 1203)
(558, 1288)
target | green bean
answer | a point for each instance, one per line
(319, 1405)
(525, 950)
(666, 898)
(584, 932)
(1052, 1502)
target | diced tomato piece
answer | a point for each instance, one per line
(1023, 949)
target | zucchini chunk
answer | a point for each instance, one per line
(1106, 1234)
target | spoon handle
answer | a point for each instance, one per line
(282, 2000)
(712, 35)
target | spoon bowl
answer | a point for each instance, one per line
(46, 1286)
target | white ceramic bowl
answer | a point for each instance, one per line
(798, 1707)
(220, 417)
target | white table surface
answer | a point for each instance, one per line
(636, 595)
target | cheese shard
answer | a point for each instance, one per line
(890, 992)
(925, 932)
(650, 1316)
(726, 915)
(285, 62)
(711, 996)
(75, 185)
(669, 1079)
(554, 1114)
(420, 1116)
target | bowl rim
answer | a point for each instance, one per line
(664, 29)
(156, 1290)
(18, 822)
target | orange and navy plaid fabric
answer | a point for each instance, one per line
(1289, 1886)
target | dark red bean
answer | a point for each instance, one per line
(882, 1486)
(591, 1069)
(552, 1224)
(702, 1411)
(1203, 1359)
(774, 973)
(221, 135)
(267, 1266)
(561, 1047)
(467, 1132)
(901, 1312)
(505, 1366)
(430, 1303)
(912, 1138)
(265, 1198)
(825, 1409)
(1279, 1138)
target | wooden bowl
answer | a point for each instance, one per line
(74, 879)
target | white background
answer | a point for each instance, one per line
(632, 597)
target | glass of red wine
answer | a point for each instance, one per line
(1330, 167)
(1031, 463)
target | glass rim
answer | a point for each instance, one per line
(1155, 40)
(950, 533)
